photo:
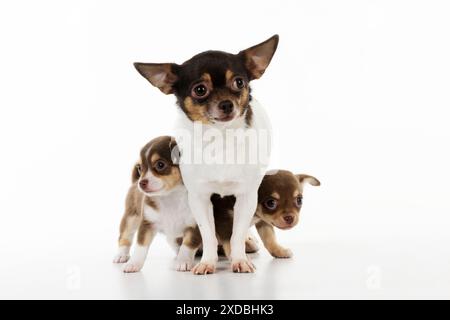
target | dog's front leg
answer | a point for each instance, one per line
(202, 210)
(244, 209)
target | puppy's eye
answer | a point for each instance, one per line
(160, 165)
(238, 84)
(200, 91)
(138, 168)
(299, 201)
(271, 204)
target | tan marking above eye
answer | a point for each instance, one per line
(275, 195)
(155, 157)
(229, 76)
(206, 77)
(296, 193)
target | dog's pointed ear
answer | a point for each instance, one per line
(257, 58)
(136, 173)
(161, 75)
(302, 178)
(175, 153)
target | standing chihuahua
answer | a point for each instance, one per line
(213, 92)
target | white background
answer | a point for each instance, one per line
(358, 94)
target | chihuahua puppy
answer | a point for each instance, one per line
(280, 198)
(213, 92)
(157, 202)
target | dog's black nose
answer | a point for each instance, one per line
(143, 183)
(226, 106)
(288, 219)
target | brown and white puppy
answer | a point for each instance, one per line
(280, 198)
(157, 202)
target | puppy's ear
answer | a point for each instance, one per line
(136, 173)
(161, 75)
(257, 58)
(302, 178)
(175, 153)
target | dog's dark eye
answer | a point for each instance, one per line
(138, 168)
(200, 91)
(299, 201)
(271, 204)
(238, 84)
(160, 165)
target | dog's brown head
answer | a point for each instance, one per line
(280, 198)
(213, 86)
(157, 172)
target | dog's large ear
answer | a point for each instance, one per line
(302, 178)
(257, 58)
(136, 173)
(175, 153)
(161, 75)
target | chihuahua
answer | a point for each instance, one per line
(157, 202)
(213, 92)
(280, 198)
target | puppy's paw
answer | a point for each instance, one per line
(282, 253)
(204, 268)
(251, 245)
(242, 266)
(184, 265)
(121, 258)
(133, 266)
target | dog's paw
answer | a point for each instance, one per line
(242, 266)
(251, 245)
(121, 258)
(133, 266)
(183, 265)
(281, 253)
(204, 268)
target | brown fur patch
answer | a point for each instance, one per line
(229, 75)
(124, 242)
(192, 237)
(173, 179)
(151, 203)
(275, 195)
(206, 77)
(146, 233)
(267, 234)
(249, 116)
(196, 112)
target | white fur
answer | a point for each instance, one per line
(123, 255)
(171, 218)
(241, 180)
(137, 260)
(172, 215)
(185, 258)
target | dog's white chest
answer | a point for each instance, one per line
(231, 160)
(172, 215)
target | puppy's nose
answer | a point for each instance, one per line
(288, 219)
(226, 106)
(143, 183)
